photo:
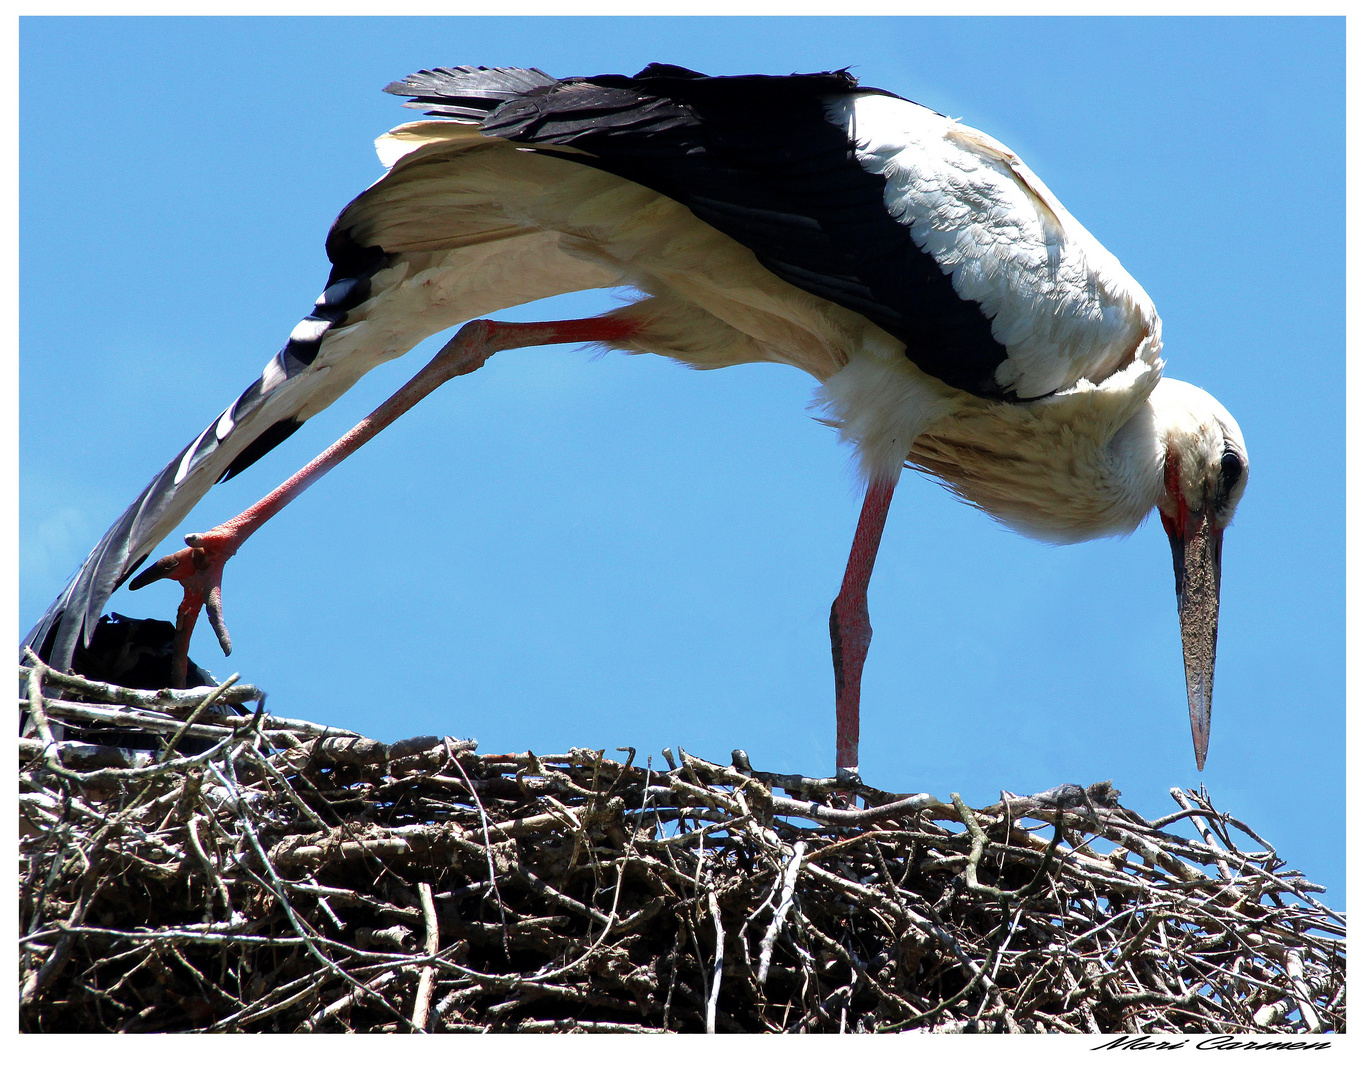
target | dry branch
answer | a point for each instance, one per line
(287, 876)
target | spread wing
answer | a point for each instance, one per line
(933, 231)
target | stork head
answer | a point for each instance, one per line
(1205, 475)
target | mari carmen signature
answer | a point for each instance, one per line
(1212, 1042)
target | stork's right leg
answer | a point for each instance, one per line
(199, 567)
(850, 630)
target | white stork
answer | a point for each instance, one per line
(957, 319)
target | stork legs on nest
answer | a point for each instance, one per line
(199, 567)
(850, 630)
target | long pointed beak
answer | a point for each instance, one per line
(1197, 551)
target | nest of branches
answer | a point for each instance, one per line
(252, 873)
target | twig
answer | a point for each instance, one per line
(789, 877)
(427, 983)
(488, 849)
(719, 966)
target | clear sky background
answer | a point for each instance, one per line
(568, 550)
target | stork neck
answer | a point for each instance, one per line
(1058, 471)
(1136, 464)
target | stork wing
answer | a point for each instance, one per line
(933, 231)
(270, 410)
(437, 249)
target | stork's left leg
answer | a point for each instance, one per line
(199, 567)
(850, 630)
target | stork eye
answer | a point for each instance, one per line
(1232, 470)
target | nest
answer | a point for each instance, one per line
(277, 875)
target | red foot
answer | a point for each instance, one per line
(199, 568)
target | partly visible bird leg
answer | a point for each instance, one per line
(850, 630)
(199, 567)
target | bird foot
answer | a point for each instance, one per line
(845, 798)
(848, 775)
(199, 569)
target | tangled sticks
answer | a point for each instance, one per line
(284, 876)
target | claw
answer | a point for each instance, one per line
(214, 604)
(175, 566)
(199, 569)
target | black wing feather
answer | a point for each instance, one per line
(756, 157)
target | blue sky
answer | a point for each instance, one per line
(569, 550)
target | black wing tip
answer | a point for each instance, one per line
(668, 71)
(265, 442)
(435, 85)
(466, 91)
(44, 633)
(843, 76)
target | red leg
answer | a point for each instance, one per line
(199, 567)
(850, 630)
